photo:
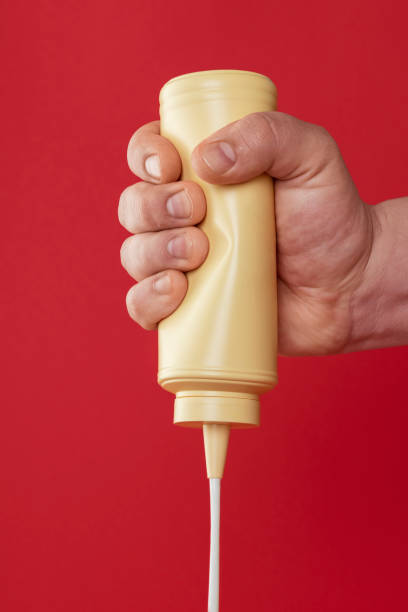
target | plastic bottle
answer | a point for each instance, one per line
(217, 351)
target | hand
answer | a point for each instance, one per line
(324, 230)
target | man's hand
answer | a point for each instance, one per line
(324, 231)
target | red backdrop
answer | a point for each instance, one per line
(104, 503)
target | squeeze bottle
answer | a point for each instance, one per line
(217, 351)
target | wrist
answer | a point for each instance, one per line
(379, 303)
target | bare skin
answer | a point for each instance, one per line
(341, 263)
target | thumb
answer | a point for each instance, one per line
(272, 142)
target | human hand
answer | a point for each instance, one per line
(324, 230)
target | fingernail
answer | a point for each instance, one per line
(179, 247)
(179, 205)
(162, 284)
(152, 166)
(219, 156)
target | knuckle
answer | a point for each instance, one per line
(137, 144)
(131, 151)
(256, 121)
(133, 307)
(133, 142)
(322, 133)
(326, 141)
(131, 256)
(252, 130)
(142, 213)
(123, 207)
(138, 258)
(327, 151)
(138, 310)
(135, 211)
(141, 208)
(270, 128)
(146, 217)
(124, 252)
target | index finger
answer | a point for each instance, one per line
(152, 157)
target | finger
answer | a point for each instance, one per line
(156, 297)
(146, 208)
(272, 142)
(152, 157)
(179, 249)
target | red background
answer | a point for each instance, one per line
(104, 503)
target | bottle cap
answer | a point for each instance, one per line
(194, 408)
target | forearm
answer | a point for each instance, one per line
(379, 305)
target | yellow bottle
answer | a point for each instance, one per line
(217, 351)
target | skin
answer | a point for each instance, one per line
(338, 290)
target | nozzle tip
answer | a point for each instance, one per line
(216, 439)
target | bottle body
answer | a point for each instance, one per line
(217, 351)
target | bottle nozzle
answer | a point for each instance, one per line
(216, 437)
